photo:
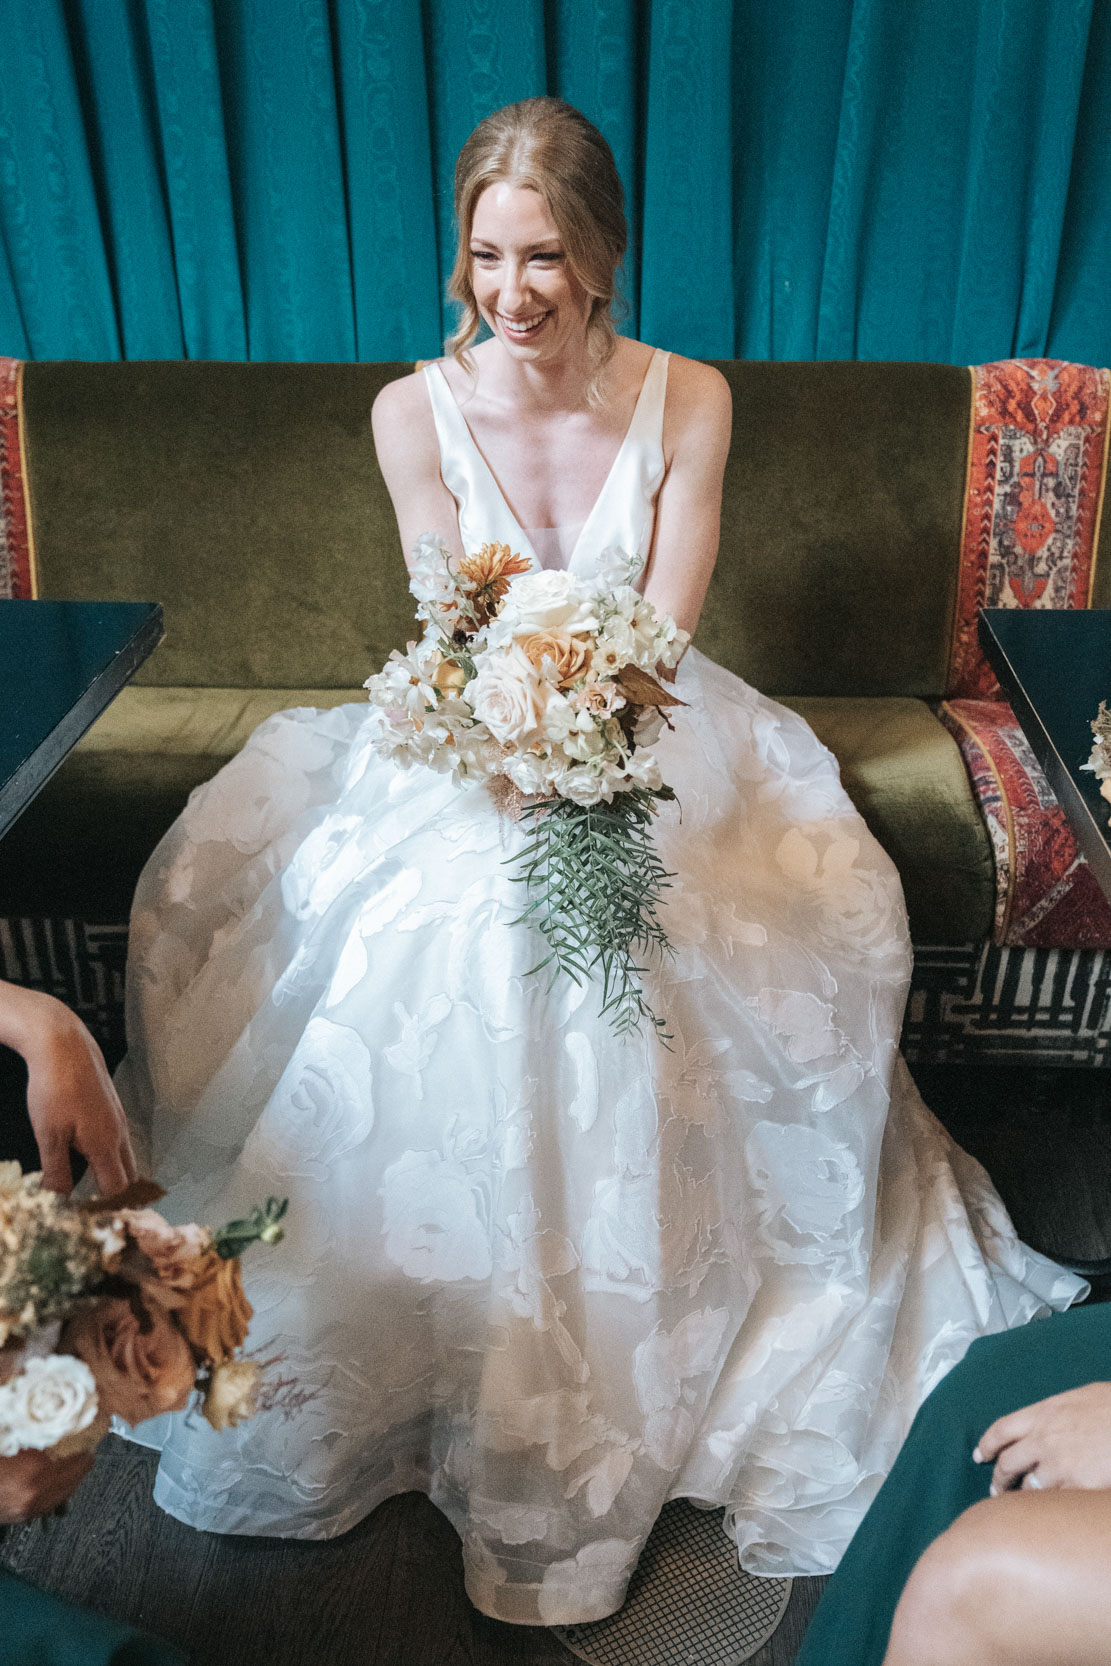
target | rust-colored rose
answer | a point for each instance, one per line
(569, 657)
(214, 1313)
(142, 1363)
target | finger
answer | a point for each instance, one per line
(127, 1157)
(108, 1167)
(1013, 1463)
(1001, 1433)
(57, 1176)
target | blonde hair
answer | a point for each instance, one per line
(548, 146)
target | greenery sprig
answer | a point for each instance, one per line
(261, 1226)
(598, 881)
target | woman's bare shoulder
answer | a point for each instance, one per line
(696, 383)
(698, 416)
(403, 426)
(403, 400)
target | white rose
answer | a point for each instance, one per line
(50, 1399)
(528, 772)
(547, 600)
(582, 785)
(509, 696)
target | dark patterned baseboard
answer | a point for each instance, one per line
(978, 1003)
(80, 962)
(969, 1004)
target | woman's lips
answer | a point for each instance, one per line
(524, 329)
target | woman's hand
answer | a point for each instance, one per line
(70, 1097)
(1064, 1441)
(33, 1483)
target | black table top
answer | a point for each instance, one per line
(61, 664)
(1054, 666)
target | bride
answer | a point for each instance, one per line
(549, 1277)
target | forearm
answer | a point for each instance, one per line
(30, 1019)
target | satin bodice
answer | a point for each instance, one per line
(623, 514)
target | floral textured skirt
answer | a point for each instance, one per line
(549, 1277)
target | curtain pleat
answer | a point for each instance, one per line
(272, 179)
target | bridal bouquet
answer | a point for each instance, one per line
(1100, 760)
(543, 686)
(106, 1309)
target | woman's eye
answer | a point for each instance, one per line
(548, 254)
(482, 254)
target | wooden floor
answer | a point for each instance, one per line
(390, 1593)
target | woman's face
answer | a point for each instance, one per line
(524, 286)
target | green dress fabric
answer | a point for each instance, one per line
(37, 1629)
(935, 1479)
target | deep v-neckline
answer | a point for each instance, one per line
(607, 482)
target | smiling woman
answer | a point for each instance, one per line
(551, 1277)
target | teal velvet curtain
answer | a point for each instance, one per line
(271, 179)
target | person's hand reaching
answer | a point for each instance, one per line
(72, 1103)
(1064, 1441)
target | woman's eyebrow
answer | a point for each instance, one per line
(533, 248)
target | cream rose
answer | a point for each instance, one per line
(547, 601)
(232, 1393)
(509, 697)
(142, 1363)
(50, 1401)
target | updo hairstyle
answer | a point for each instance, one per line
(550, 147)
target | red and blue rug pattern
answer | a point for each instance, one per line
(16, 576)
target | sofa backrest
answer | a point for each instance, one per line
(247, 499)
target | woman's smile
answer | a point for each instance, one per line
(524, 329)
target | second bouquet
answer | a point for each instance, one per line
(543, 686)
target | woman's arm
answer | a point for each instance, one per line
(698, 426)
(409, 457)
(70, 1097)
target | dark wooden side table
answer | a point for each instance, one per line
(1054, 666)
(61, 664)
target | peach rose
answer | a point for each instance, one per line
(569, 657)
(140, 1360)
(175, 1251)
(231, 1393)
(450, 676)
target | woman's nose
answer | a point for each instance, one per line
(514, 285)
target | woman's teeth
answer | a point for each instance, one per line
(521, 327)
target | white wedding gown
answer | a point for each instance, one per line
(548, 1277)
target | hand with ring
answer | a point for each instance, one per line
(1064, 1441)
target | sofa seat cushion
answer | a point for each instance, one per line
(131, 775)
(79, 848)
(904, 772)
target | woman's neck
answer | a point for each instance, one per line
(548, 386)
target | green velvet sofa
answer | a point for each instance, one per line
(247, 499)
